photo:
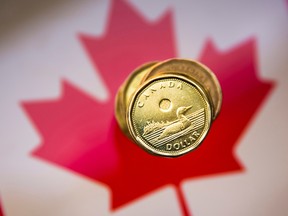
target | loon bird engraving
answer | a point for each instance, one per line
(176, 127)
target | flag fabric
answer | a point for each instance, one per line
(61, 150)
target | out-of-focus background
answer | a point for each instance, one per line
(59, 64)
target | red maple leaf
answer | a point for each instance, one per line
(80, 133)
(1, 212)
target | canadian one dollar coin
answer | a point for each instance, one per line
(169, 116)
(165, 111)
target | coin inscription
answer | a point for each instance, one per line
(170, 116)
(184, 143)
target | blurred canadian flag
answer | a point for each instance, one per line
(62, 152)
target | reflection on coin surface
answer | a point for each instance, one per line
(169, 115)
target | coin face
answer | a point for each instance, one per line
(169, 115)
(194, 70)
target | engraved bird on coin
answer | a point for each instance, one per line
(178, 126)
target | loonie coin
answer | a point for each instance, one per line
(169, 115)
(192, 70)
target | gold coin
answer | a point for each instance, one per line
(125, 92)
(169, 115)
(192, 70)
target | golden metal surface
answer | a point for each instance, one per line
(167, 107)
(125, 92)
(193, 70)
(169, 115)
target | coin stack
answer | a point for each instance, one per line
(167, 107)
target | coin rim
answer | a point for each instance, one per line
(147, 147)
